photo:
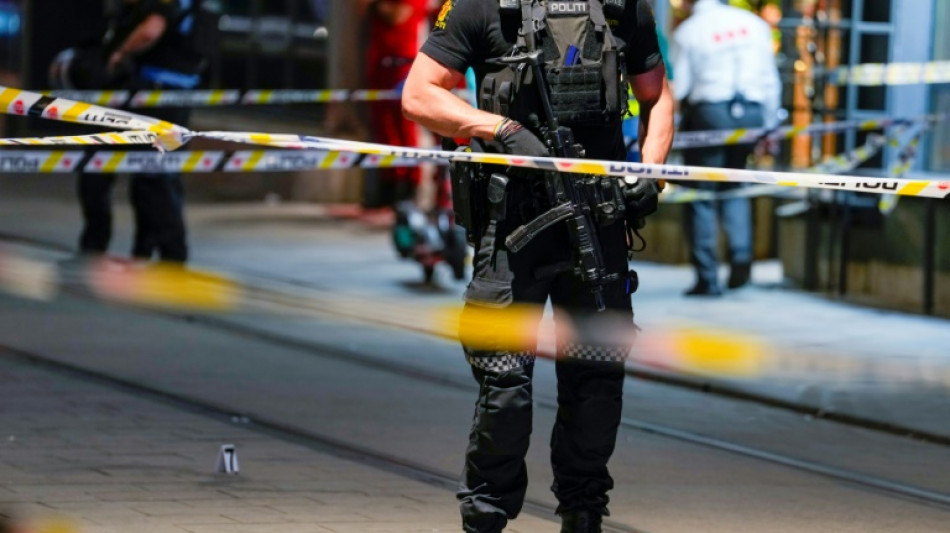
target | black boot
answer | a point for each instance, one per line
(739, 275)
(580, 521)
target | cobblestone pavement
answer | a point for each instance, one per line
(107, 461)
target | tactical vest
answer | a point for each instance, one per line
(583, 63)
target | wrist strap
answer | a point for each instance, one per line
(506, 128)
(501, 123)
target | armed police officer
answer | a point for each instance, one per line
(551, 81)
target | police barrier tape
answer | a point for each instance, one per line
(691, 139)
(171, 136)
(120, 138)
(904, 187)
(19, 102)
(710, 138)
(26, 103)
(869, 74)
(874, 74)
(27, 162)
(205, 161)
(886, 202)
(905, 160)
(230, 97)
(244, 161)
(186, 161)
(846, 162)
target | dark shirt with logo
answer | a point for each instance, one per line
(471, 32)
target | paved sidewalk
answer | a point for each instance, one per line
(102, 460)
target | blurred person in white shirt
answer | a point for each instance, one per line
(726, 78)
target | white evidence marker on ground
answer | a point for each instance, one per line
(228, 460)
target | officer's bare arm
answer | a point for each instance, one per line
(428, 100)
(143, 37)
(656, 114)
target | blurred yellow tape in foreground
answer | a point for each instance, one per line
(513, 328)
(706, 351)
(165, 286)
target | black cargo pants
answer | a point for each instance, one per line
(158, 202)
(589, 372)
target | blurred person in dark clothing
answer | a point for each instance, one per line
(726, 78)
(396, 30)
(148, 45)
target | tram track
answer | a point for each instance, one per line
(855, 479)
(867, 482)
(686, 382)
(287, 432)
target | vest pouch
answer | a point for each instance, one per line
(577, 94)
(509, 92)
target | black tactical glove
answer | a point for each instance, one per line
(642, 198)
(517, 140)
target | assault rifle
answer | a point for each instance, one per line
(570, 204)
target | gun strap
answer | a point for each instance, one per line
(526, 38)
(524, 234)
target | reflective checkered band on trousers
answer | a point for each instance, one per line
(588, 352)
(499, 362)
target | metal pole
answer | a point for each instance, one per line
(844, 255)
(930, 255)
(290, 56)
(254, 52)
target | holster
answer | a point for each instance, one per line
(470, 192)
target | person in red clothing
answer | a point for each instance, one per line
(395, 36)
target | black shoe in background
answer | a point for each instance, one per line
(580, 521)
(703, 289)
(739, 275)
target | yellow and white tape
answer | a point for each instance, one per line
(151, 162)
(17, 102)
(191, 162)
(284, 160)
(146, 99)
(102, 98)
(876, 74)
(52, 162)
(905, 160)
(25, 103)
(846, 162)
(303, 160)
(904, 187)
(230, 97)
(710, 138)
(101, 139)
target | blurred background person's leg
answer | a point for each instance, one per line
(95, 201)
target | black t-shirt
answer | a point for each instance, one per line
(132, 13)
(470, 32)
